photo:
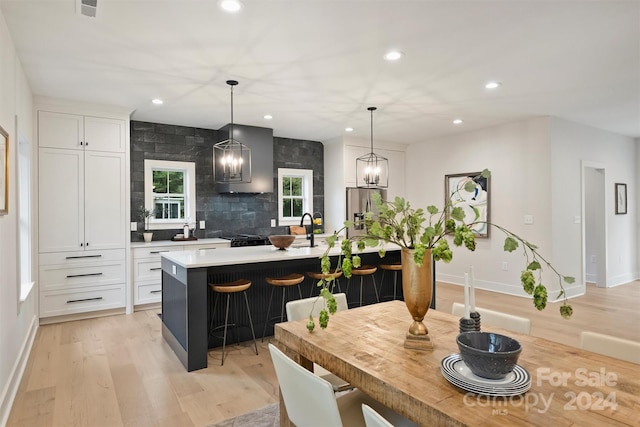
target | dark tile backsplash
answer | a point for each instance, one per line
(225, 214)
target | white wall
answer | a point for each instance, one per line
(518, 156)
(536, 170)
(572, 144)
(18, 321)
(636, 207)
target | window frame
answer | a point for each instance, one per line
(189, 185)
(307, 193)
(26, 284)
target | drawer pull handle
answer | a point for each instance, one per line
(83, 300)
(157, 252)
(83, 256)
(155, 268)
(83, 275)
(156, 292)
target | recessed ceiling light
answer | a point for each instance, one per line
(348, 129)
(493, 85)
(231, 6)
(393, 55)
(457, 121)
(268, 117)
(157, 101)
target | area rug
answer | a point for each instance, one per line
(269, 416)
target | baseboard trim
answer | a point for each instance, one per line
(11, 390)
(81, 316)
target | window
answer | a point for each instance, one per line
(24, 217)
(295, 195)
(169, 191)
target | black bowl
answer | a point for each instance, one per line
(488, 355)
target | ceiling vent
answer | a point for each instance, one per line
(87, 8)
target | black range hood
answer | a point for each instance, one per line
(260, 141)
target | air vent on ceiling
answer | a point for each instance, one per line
(87, 8)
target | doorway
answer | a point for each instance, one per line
(594, 230)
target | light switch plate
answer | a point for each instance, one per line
(273, 222)
(201, 225)
(134, 226)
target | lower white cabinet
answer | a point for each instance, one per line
(147, 269)
(81, 281)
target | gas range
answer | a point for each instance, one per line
(241, 240)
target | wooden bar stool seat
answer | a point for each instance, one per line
(395, 267)
(365, 270)
(229, 288)
(318, 275)
(284, 282)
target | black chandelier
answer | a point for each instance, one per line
(231, 158)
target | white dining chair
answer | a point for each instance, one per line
(311, 402)
(496, 318)
(609, 345)
(372, 418)
(301, 309)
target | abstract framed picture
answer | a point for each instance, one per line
(4, 171)
(621, 199)
(475, 204)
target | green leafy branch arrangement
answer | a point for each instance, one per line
(397, 222)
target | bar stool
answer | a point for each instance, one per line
(318, 275)
(240, 285)
(395, 267)
(284, 283)
(365, 270)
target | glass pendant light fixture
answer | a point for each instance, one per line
(372, 170)
(231, 158)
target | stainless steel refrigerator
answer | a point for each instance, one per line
(358, 202)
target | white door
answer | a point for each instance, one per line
(101, 134)
(60, 130)
(61, 201)
(104, 200)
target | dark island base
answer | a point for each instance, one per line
(260, 291)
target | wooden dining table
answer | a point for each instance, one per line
(364, 346)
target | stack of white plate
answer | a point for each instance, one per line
(457, 373)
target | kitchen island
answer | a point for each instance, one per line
(185, 275)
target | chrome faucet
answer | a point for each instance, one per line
(310, 236)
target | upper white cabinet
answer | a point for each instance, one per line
(77, 132)
(81, 193)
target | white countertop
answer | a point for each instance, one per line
(179, 243)
(251, 254)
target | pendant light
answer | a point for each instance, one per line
(372, 170)
(231, 158)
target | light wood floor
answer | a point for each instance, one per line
(118, 371)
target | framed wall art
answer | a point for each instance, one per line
(475, 204)
(4, 171)
(621, 199)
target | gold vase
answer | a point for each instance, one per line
(416, 287)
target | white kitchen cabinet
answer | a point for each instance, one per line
(82, 218)
(82, 200)
(77, 132)
(147, 270)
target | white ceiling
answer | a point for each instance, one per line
(316, 65)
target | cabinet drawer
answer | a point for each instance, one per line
(57, 303)
(149, 293)
(147, 269)
(80, 276)
(81, 257)
(153, 252)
